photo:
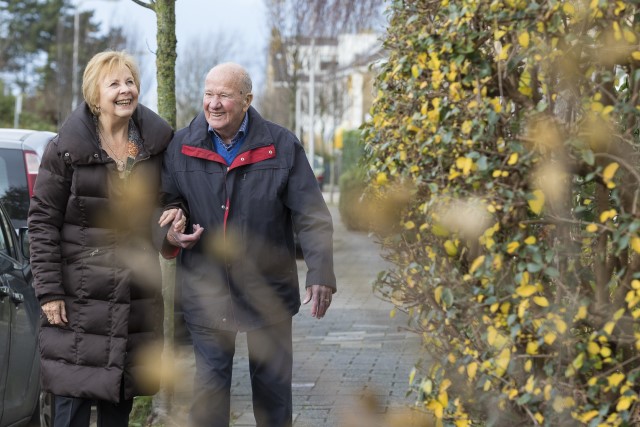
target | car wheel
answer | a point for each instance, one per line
(46, 409)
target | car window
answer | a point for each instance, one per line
(6, 242)
(14, 192)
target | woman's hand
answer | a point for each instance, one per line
(169, 215)
(55, 311)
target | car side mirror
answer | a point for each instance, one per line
(23, 234)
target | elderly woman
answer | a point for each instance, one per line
(96, 271)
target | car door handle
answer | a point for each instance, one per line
(17, 298)
(5, 291)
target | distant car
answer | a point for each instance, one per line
(19, 326)
(20, 154)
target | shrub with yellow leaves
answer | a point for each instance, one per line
(517, 252)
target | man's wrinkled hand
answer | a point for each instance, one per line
(176, 235)
(320, 296)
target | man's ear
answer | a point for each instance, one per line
(247, 101)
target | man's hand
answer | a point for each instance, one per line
(175, 234)
(55, 311)
(321, 297)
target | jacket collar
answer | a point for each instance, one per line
(258, 134)
(78, 138)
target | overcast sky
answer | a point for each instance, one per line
(244, 21)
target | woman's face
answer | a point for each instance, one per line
(118, 94)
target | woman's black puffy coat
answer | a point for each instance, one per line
(90, 234)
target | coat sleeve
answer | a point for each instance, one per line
(170, 197)
(46, 217)
(311, 219)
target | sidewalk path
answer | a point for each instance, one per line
(351, 368)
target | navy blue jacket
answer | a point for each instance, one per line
(242, 273)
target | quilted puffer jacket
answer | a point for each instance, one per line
(90, 233)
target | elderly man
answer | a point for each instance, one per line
(235, 187)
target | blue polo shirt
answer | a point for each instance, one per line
(229, 152)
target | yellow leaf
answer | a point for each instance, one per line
(568, 9)
(592, 228)
(605, 352)
(381, 178)
(476, 263)
(437, 409)
(547, 392)
(409, 225)
(451, 248)
(437, 293)
(593, 348)
(427, 386)
(578, 361)
(541, 301)
(635, 243)
(466, 127)
(443, 398)
(526, 290)
(523, 39)
(412, 376)
(624, 403)
(513, 159)
(607, 215)
(537, 202)
(531, 240)
(532, 347)
(581, 314)
(618, 314)
(608, 327)
(502, 361)
(415, 71)
(588, 416)
(609, 172)
(512, 247)
(472, 368)
(615, 379)
(549, 338)
(636, 55)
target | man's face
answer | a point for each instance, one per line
(224, 103)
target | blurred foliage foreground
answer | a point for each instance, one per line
(506, 134)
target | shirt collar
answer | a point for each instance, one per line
(242, 131)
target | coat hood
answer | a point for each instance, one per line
(78, 138)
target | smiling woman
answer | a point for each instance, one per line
(90, 229)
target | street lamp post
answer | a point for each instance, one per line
(76, 45)
(312, 84)
(74, 67)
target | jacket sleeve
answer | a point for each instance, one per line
(169, 198)
(45, 221)
(311, 219)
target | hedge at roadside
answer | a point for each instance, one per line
(505, 132)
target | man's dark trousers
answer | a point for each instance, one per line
(270, 366)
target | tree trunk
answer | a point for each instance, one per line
(165, 64)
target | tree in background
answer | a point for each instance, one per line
(166, 55)
(506, 134)
(36, 49)
(199, 55)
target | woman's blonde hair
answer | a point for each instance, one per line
(101, 64)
